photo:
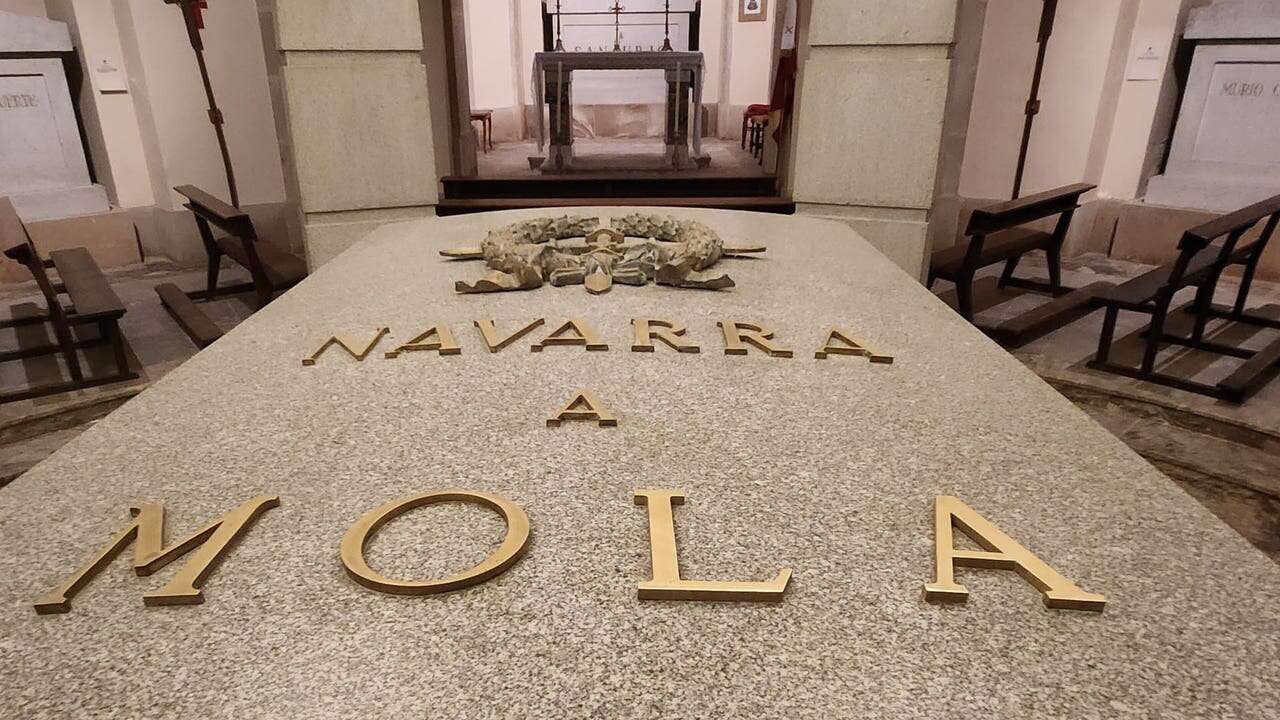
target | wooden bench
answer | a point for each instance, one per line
(997, 234)
(92, 301)
(1200, 264)
(271, 269)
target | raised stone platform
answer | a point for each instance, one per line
(830, 468)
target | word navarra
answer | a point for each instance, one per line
(738, 337)
(210, 543)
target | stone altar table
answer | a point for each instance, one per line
(829, 468)
(553, 86)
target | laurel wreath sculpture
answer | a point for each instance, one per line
(528, 254)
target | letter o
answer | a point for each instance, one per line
(513, 545)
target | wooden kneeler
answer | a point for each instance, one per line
(272, 270)
(1200, 264)
(92, 302)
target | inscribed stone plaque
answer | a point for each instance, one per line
(29, 142)
(1240, 115)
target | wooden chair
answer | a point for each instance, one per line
(752, 112)
(1200, 264)
(92, 302)
(997, 234)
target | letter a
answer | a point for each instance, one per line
(839, 342)
(582, 334)
(210, 543)
(437, 338)
(584, 406)
(667, 584)
(999, 552)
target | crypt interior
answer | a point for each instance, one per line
(852, 275)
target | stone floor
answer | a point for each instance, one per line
(728, 159)
(1228, 457)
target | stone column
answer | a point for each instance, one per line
(871, 98)
(355, 100)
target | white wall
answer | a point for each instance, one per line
(751, 59)
(165, 81)
(489, 57)
(110, 119)
(33, 8)
(1072, 94)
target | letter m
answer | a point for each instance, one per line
(210, 544)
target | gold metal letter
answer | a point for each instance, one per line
(583, 335)
(346, 343)
(666, 583)
(839, 342)
(668, 332)
(443, 343)
(513, 545)
(213, 541)
(496, 343)
(584, 406)
(737, 334)
(999, 552)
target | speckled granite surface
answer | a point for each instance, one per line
(827, 467)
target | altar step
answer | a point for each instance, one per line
(783, 206)
(742, 192)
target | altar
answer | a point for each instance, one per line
(814, 493)
(553, 86)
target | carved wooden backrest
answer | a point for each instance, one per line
(19, 247)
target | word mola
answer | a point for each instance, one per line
(210, 543)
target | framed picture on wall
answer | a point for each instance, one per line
(753, 10)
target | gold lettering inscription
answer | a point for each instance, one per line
(347, 343)
(667, 584)
(512, 547)
(671, 333)
(582, 335)
(737, 334)
(437, 338)
(839, 342)
(999, 552)
(147, 528)
(496, 342)
(584, 406)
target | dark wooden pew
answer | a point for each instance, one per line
(1200, 264)
(92, 302)
(997, 234)
(272, 270)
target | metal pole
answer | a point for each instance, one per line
(666, 16)
(1047, 16)
(559, 40)
(191, 14)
